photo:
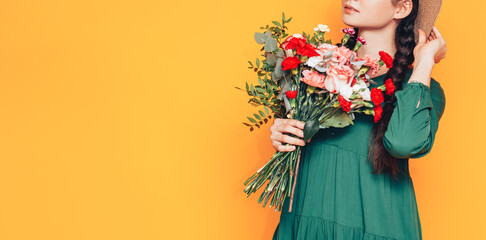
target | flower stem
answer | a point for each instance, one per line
(295, 181)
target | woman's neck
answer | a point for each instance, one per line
(377, 40)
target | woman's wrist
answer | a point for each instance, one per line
(422, 71)
(424, 63)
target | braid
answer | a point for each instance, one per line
(382, 160)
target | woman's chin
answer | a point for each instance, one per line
(351, 22)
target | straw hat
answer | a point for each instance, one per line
(427, 15)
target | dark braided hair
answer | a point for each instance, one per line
(382, 160)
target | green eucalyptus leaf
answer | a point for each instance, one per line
(252, 120)
(278, 69)
(257, 116)
(271, 59)
(270, 45)
(276, 23)
(260, 38)
(274, 77)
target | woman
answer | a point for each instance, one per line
(354, 182)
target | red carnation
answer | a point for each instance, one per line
(290, 63)
(308, 50)
(376, 96)
(378, 110)
(386, 58)
(390, 87)
(345, 104)
(291, 94)
(294, 42)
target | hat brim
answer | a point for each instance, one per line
(427, 15)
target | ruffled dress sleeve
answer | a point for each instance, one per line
(413, 126)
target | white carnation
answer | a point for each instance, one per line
(322, 28)
(313, 61)
(362, 89)
(366, 94)
(297, 35)
(346, 91)
(359, 85)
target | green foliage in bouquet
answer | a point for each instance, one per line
(269, 71)
(269, 91)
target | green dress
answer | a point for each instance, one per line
(336, 195)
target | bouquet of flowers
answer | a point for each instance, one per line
(309, 79)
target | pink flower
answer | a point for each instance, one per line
(370, 62)
(349, 31)
(313, 78)
(337, 76)
(342, 55)
(362, 40)
(325, 47)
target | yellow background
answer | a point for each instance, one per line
(120, 120)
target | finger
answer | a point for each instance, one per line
(436, 32)
(291, 129)
(282, 148)
(275, 137)
(422, 37)
(297, 123)
(292, 140)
